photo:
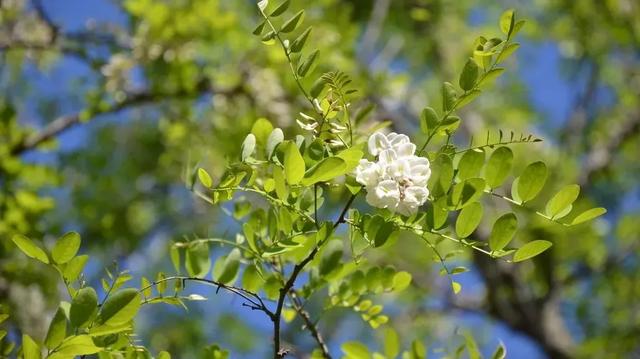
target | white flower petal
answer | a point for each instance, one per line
(377, 143)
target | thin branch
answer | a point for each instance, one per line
(254, 301)
(310, 325)
(64, 123)
(279, 352)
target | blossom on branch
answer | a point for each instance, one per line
(398, 179)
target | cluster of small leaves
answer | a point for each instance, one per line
(350, 291)
(84, 325)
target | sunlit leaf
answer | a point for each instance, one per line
(503, 231)
(66, 248)
(557, 205)
(83, 306)
(29, 248)
(469, 219)
(120, 307)
(293, 163)
(531, 250)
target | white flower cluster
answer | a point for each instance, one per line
(398, 179)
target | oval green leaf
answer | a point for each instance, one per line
(30, 249)
(120, 307)
(293, 163)
(325, 170)
(57, 330)
(83, 306)
(227, 268)
(589, 215)
(469, 219)
(530, 182)
(558, 204)
(470, 164)
(66, 248)
(531, 250)
(205, 178)
(498, 166)
(503, 231)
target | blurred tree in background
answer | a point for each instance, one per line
(102, 111)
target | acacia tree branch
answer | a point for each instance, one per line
(64, 123)
(254, 301)
(309, 324)
(277, 351)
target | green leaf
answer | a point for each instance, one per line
(472, 346)
(120, 307)
(258, 30)
(441, 175)
(418, 350)
(507, 52)
(355, 350)
(456, 287)
(66, 248)
(228, 269)
(531, 250)
(401, 280)
(466, 192)
(74, 267)
(205, 178)
(83, 306)
(500, 353)
(174, 253)
(449, 97)
(262, 128)
(428, 120)
(248, 146)
(469, 75)
(498, 166)
(76, 346)
(251, 279)
(293, 163)
(281, 188)
(528, 185)
(558, 204)
(164, 355)
(470, 164)
(490, 76)
(468, 97)
(503, 231)
(57, 329)
(351, 157)
(469, 219)
(325, 170)
(331, 257)
(30, 249)
(298, 43)
(391, 343)
(281, 8)
(30, 349)
(449, 125)
(275, 138)
(292, 23)
(197, 260)
(437, 214)
(507, 22)
(305, 66)
(589, 215)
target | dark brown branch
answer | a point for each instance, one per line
(253, 300)
(309, 324)
(67, 122)
(277, 351)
